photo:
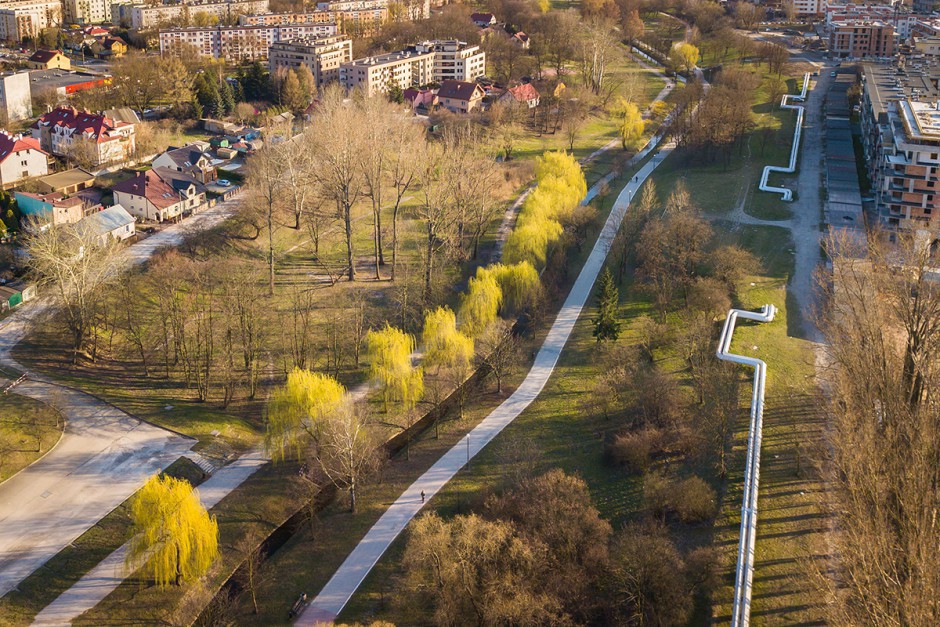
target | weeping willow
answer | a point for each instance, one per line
(173, 532)
(444, 345)
(297, 410)
(479, 307)
(389, 352)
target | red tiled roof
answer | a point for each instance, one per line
(10, 144)
(149, 185)
(101, 127)
(524, 92)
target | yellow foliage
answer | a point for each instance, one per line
(518, 282)
(173, 532)
(480, 306)
(564, 166)
(529, 241)
(686, 55)
(298, 408)
(444, 345)
(389, 353)
(631, 123)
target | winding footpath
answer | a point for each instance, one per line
(340, 588)
(103, 456)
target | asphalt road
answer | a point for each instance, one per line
(344, 583)
(104, 454)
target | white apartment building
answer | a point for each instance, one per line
(28, 18)
(15, 97)
(143, 16)
(86, 11)
(809, 7)
(236, 43)
(413, 9)
(426, 62)
(323, 55)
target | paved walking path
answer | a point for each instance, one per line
(104, 454)
(108, 575)
(340, 588)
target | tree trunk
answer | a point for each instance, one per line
(270, 249)
(395, 239)
(347, 217)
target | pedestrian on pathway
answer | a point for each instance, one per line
(422, 496)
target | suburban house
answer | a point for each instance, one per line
(159, 194)
(109, 48)
(521, 39)
(525, 94)
(51, 208)
(20, 158)
(97, 139)
(114, 222)
(49, 60)
(66, 182)
(460, 96)
(483, 19)
(420, 98)
(193, 159)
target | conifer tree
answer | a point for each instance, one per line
(606, 324)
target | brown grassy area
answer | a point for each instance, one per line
(28, 430)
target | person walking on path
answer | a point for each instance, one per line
(422, 496)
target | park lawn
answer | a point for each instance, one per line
(309, 559)
(62, 571)
(28, 430)
(556, 431)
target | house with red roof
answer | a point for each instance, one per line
(86, 137)
(525, 94)
(460, 96)
(160, 194)
(20, 158)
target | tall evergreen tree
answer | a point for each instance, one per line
(606, 325)
(227, 97)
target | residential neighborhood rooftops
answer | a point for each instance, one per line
(160, 186)
(67, 178)
(524, 92)
(44, 56)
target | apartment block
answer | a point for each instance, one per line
(426, 62)
(809, 7)
(279, 19)
(410, 9)
(236, 43)
(361, 23)
(28, 18)
(15, 97)
(861, 38)
(145, 16)
(323, 55)
(86, 11)
(900, 119)
(925, 6)
(66, 131)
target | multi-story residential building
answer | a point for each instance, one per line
(86, 11)
(146, 16)
(359, 22)
(409, 9)
(193, 160)
(426, 62)
(97, 139)
(323, 55)
(809, 7)
(20, 158)
(160, 194)
(15, 96)
(236, 43)
(925, 6)
(861, 38)
(28, 18)
(900, 119)
(277, 19)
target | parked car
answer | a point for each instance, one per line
(224, 183)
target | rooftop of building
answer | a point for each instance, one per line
(313, 41)
(67, 178)
(56, 79)
(887, 82)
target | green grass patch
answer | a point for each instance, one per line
(42, 587)
(28, 430)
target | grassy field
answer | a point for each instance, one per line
(20, 606)
(28, 429)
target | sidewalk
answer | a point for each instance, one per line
(344, 583)
(108, 575)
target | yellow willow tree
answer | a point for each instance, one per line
(444, 345)
(297, 411)
(389, 353)
(529, 241)
(479, 307)
(631, 124)
(172, 532)
(564, 166)
(519, 283)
